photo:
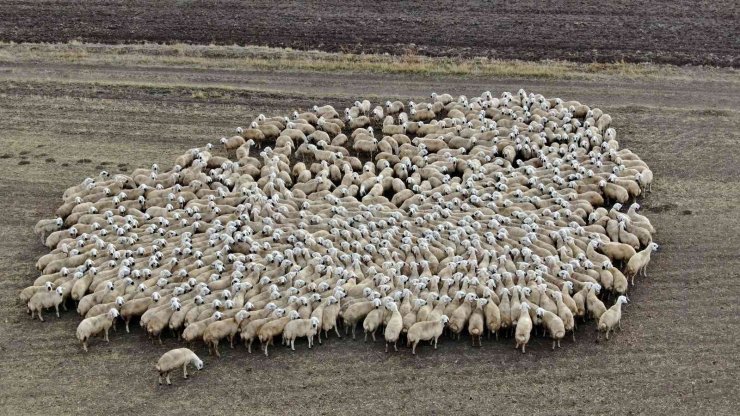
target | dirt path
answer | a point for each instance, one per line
(678, 32)
(677, 354)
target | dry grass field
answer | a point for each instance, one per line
(66, 112)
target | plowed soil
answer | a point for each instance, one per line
(677, 32)
(677, 353)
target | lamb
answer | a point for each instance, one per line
(175, 358)
(300, 328)
(611, 318)
(94, 325)
(523, 328)
(554, 325)
(426, 331)
(394, 326)
(639, 262)
(45, 299)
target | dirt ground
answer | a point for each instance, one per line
(678, 352)
(674, 31)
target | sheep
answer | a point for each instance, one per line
(196, 329)
(523, 328)
(274, 328)
(639, 262)
(595, 306)
(611, 318)
(174, 359)
(372, 321)
(394, 326)
(219, 330)
(300, 328)
(565, 314)
(617, 251)
(136, 307)
(476, 322)
(414, 217)
(553, 323)
(45, 299)
(94, 325)
(45, 227)
(28, 292)
(358, 311)
(426, 331)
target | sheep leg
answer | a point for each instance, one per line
(57, 308)
(127, 331)
(267, 344)
(607, 333)
(249, 346)
(160, 379)
(553, 345)
(574, 335)
(106, 335)
(185, 370)
(373, 334)
(619, 324)
(413, 349)
(386, 347)
(215, 349)
(310, 342)
(365, 337)
(523, 348)
(435, 342)
(84, 345)
(41, 318)
(353, 331)
(395, 347)
(336, 328)
(169, 383)
(559, 344)
(292, 344)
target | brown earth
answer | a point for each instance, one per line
(677, 32)
(677, 354)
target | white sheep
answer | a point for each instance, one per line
(426, 331)
(94, 325)
(394, 326)
(523, 328)
(611, 318)
(45, 299)
(639, 262)
(553, 323)
(179, 357)
(300, 328)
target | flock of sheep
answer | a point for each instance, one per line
(498, 215)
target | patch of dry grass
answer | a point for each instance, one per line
(276, 59)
